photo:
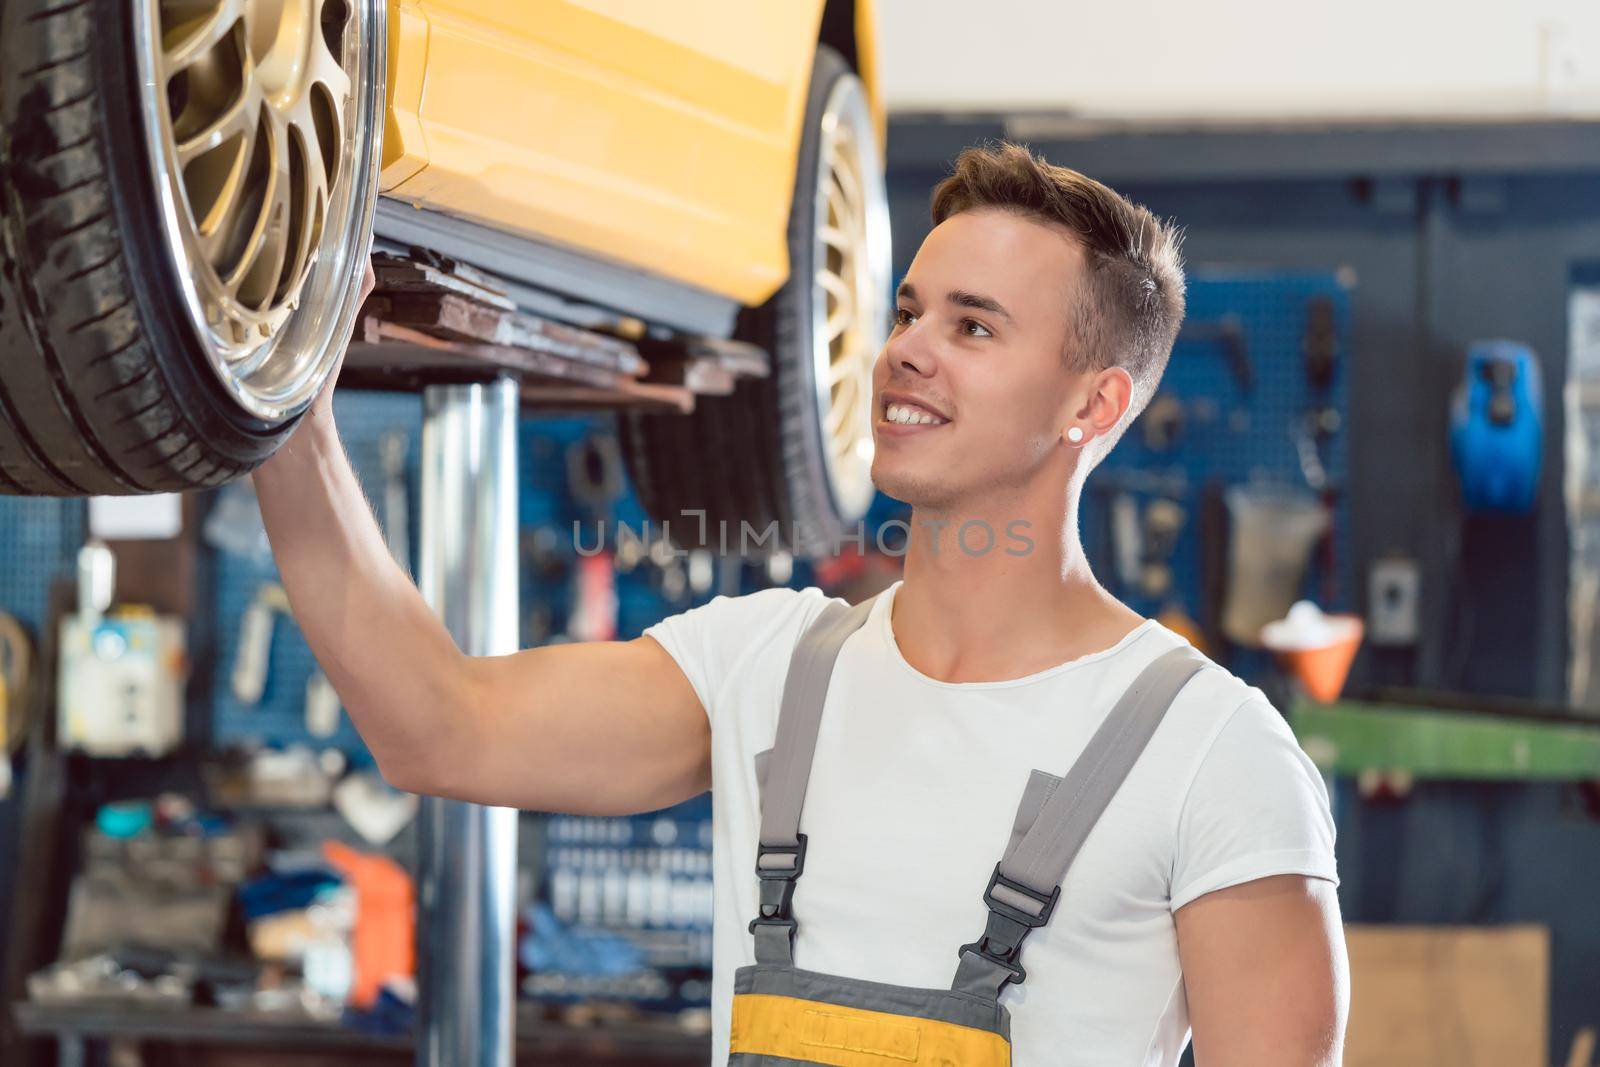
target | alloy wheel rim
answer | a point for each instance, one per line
(257, 112)
(850, 299)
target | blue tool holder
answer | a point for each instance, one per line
(1497, 428)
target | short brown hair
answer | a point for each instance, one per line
(1133, 294)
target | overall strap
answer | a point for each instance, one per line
(781, 852)
(1026, 883)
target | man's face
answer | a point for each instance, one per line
(980, 328)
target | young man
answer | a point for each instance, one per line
(1032, 327)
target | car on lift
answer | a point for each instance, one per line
(188, 189)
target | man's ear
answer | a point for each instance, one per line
(1110, 393)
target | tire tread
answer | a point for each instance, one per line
(86, 407)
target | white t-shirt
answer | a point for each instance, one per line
(912, 796)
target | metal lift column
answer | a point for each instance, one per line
(467, 854)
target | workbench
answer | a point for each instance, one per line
(1496, 741)
(216, 1037)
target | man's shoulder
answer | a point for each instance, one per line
(1215, 701)
(1215, 691)
(762, 614)
(717, 640)
(1237, 745)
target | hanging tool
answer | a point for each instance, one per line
(594, 477)
(1319, 347)
(780, 567)
(1213, 560)
(594, 604)
(1320, 344)
(322, 706)
(396, 510)
(702, 571)
(254, 652)
(1227, 333)
(16, 663)
(594, 472)
(1162, 423)
(632, 549)
(1127, 537)
(672, 577)
(1163, 520)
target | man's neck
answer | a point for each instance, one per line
(1024, 603)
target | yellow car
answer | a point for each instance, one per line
(190, 187)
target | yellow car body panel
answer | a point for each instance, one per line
(660, 136)
(866, 28)
(405, 148)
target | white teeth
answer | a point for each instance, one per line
(907, 415)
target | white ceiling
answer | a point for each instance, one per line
(1226, 59)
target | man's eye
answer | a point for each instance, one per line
(970, 325)
(902, 317)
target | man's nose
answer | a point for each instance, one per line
(909, 350)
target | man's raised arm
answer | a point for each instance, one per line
(599, 728)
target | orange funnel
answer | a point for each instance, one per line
(1316, 651)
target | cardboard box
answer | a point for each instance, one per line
(1457, 995)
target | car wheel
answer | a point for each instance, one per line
(187, 193)
(792, 452)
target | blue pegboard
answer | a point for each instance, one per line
(279, 718)
(547, 503)
(39, 541)
(1237, 435)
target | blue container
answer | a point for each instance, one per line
(124, 819)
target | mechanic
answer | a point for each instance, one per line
(1032, 327)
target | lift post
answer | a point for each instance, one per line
(467, 854)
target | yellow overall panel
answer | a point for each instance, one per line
(809, 1031)
(662, 136)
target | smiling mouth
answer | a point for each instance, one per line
(896, 413)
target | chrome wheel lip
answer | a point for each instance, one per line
(847, 456)
(316, 331)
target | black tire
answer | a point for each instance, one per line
(103, 388)
(755, 456)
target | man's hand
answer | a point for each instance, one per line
(1266, 975)
(322, 407)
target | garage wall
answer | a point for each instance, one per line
(1232, 58)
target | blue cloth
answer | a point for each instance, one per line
(273, 893)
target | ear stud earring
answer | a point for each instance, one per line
(1075, 435)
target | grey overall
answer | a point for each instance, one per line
(783, 1014)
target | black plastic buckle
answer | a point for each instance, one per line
(1008, 926)
(777, 884)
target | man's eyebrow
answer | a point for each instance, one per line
(977, 301)
(960, 298)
